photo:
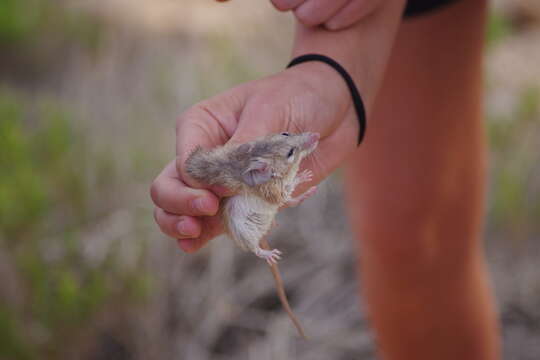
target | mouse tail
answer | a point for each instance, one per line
(282, 295)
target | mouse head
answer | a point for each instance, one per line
(275, 156)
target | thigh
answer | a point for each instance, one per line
(423, 156)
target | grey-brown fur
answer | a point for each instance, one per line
(225, 165)
(263, 175)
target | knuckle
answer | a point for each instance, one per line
(280, 5)
(306, 16)
(187, 116)
(180, 164)
(155, 192)
(170, 230)
(196, 109)
(334, 24)
(180, 123)
(156, 215)
(166, 225)
(203, 118)
(163, 227)
(191, 209)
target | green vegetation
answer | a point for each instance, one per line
(44, 212)
(38, 36)
(498, 27)
(25, 22)
(515, 204)
(66, 202)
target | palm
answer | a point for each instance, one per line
(288, 101)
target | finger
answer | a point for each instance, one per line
(208, 124)
(316, 12)
(175, 226)
(351, 13)
(170, 194)
(212, 226)
(285, 5)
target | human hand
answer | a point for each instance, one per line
(307, 97)
(334, 15)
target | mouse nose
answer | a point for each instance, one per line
(312, 138)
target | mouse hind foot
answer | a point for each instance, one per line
(271, 256)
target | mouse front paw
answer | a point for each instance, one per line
(304, 176)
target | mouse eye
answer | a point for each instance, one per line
(285, 133)
(291, 153)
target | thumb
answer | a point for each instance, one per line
(259, 119)
(207, 124)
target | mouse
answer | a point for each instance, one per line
(262, 175)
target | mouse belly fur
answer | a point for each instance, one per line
(247, 218)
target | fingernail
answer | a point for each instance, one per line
(205, 206)
(185, 244)
(184, 228)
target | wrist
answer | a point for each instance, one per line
(324, 81)
(332, 96)
(351, 86)
(362, 49)
(337, 46)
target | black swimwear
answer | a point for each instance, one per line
(420, 7)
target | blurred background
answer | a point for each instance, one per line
(89, 93)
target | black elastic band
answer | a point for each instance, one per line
(357, 99)
(423, 7)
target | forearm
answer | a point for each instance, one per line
(363, 49)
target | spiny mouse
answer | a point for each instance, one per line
(262, 175)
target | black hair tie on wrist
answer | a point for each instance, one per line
(357, 99)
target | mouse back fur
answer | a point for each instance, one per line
(262, 165)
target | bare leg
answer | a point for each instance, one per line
(416, 194)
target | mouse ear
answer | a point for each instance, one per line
(257, 173)
(244, 148)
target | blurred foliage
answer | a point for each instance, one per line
(44, 211)
(37, 37)
(25, 22)
(515, 139)
(498, 27)
(56, 191)
(514, 142)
